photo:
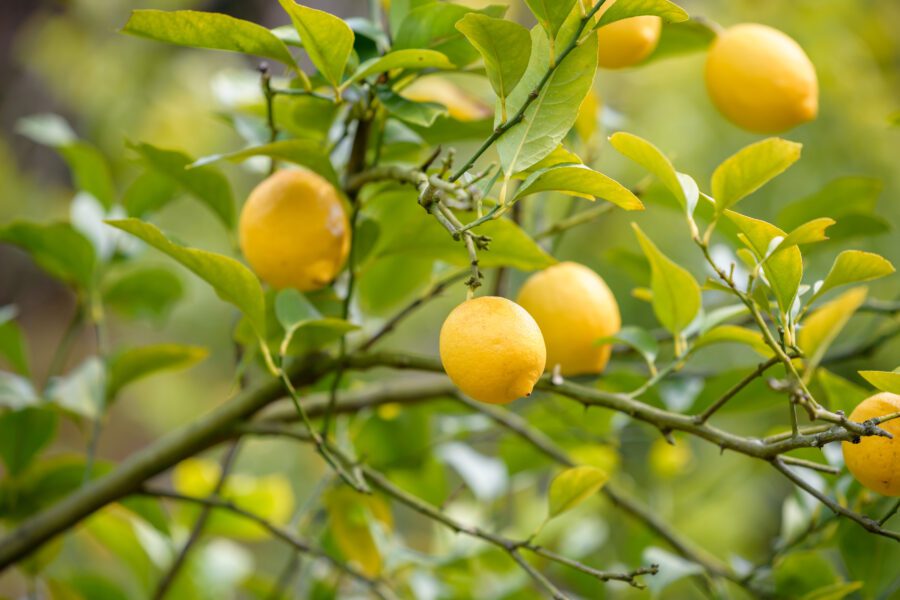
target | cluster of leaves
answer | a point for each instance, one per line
(544, 121)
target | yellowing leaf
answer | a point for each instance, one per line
(401, 59)
(886, 381)
(750, 168)
(821, 327)
(582, 181)
(735, 334)
(651, 158)
(854, 266)
(350, 517)
(572, 487)
(808, 233)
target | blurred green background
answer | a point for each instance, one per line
(66, 57)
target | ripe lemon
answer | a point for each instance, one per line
(875, 460)
(294, 231)
(492, 349)
(460, 104)
(627, 42)
(761, 79)
(574, 308)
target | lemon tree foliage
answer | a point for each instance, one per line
(413, 172)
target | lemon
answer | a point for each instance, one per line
(875, 460)
(492, 349)
(627, 42)
(294, 231)
(761, 79)
(460, 104)
(574, 308)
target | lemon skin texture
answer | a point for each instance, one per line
(294, 232)
(761, 80)
(627, 42)
(492, 349)
(574, 308)
(875, 460)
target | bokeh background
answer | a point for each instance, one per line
(66, 57)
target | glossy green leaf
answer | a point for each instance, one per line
(676, 294)
(232, 281)
(208, 30)
(433, 26)
(82, 391)
(398, 11)
(551, 14)
(572, 487)
(206, 184)
(582, 181)
(505, 47)
(410, 59)
(750, 168)
(552, 114)
(854, 266)
(808, 233)
(148, 292)
(559, 156)
(56, 247)
(12, 341)
(16, 392)
(886, 381)
(783, 270)
(292, 308)
(624, 9)
(327, 39)
(724, 334)
(637, 338)
(822, 326)
(136, 363)
(422, 114)
(148, 193)
(23, 434)
(306, 153)
(651, 158)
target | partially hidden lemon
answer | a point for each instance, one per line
(574, 308)
(761, 80)
(492, 349)
(627, 42)
(875, 460)
(294, 231)
(460, 105)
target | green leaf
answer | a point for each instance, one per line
(23, 434)
(676, 294)
(552, 114)
(206, 184)
(835, 591)
(422, 114)
(208, 30)
(551, 14)
(505, 47)
(582, 181)
(16, 392)
(295, 313)
(637, 338)
(801, 572)
(783, 270)
(572, 487)
(399, 9)
(808, 233)
(232, 281)
(886, 381)
(82, 391)
(136, 363)
(292, 308)
(306, 153)
(624, 9)
(750, 168)
(854, 266)
(148, 193)
(823, 325)
(57, 248)
(559, 156)
(411, 59)
(433, 26)
(12, 342)
(651, 158)
(144, 292)
(326, 38)
(724, 334)
(678, 39)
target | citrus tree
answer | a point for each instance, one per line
(384, 187)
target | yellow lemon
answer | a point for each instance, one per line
(627, 42)
(667, 460)
(574, 308)
(294, 231)
(492, 349)
(761, 79)
(460, 105)
(875, 460)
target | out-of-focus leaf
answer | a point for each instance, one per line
(326, 38)
(559, 156)
(16, 392)
(750, 168)
(886, 381)
(581, 181)
(136, 363)
(12, 342)
(685, 37)
(823, 325)
(208, 30)
(552, 114)
(858, 550)
(671, 568)
(114, 529)
(799, 573)
(422, 114)
(149, 192)
(835, 591)
(96, 585)
(551, 14)
(839, 393)
(854, 266)
(486, 476)
(505, 47)
(572, 487)
(306, 153)
(350, 517)
(23, 434)
(144, 292)
(409, 59)
(624, 9)
(232, 281)
(56, 247)
(433, 26)
(206, 184)
(295, 314)
(734, 334)
(637, 338)
(81, 391)
(292, 308)
(676, 294)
